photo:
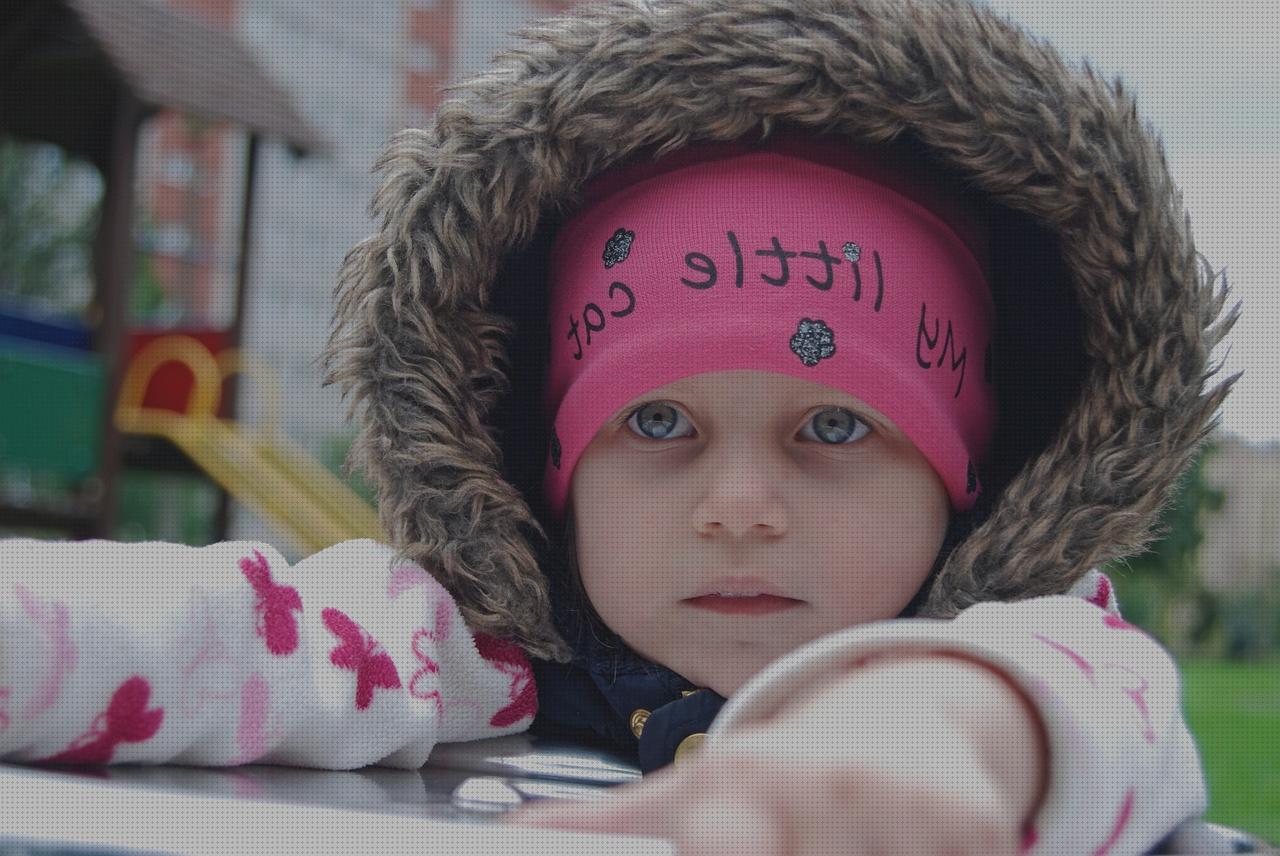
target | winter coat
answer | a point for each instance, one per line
(1106, 313)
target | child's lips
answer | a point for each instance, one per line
(761, 604)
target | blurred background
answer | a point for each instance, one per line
(180, 180)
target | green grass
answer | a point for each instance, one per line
(1233, 709)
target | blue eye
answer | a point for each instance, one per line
(655, 416)
(839, 425)
(833, 426)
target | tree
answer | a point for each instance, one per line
(1161, 590)
(49, 209)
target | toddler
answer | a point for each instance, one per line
(838, 343)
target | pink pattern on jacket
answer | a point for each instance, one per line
(251, 734)
(359, 653)
(523, 694)
(126, 720)
(51, 618)
(275, 607)
(237, 644)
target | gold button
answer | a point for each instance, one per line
(639, 717)
(690, 744)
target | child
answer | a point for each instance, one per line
(894, 185)
(797, 398)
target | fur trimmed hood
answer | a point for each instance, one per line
(1106, 312)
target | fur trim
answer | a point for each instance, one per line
(465, 205)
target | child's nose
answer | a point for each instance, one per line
(742, 498)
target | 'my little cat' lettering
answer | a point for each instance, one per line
(707, 272)
(703, 273)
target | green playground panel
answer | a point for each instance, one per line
(51, 409)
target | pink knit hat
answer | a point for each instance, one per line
(849, 266)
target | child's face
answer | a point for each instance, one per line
(750, 474)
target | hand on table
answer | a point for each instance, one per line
(873, 763)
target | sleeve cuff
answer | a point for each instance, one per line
(1124, 770)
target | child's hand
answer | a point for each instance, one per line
(876, 762)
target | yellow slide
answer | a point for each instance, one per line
(258, 466)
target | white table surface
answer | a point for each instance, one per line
(449, 806)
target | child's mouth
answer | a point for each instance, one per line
(743, 604)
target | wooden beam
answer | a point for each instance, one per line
(223, 520)
(115, 251)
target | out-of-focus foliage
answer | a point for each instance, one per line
(49, 209)
(333, 454)
(175, 507)
(1164, 590)
(147, 296)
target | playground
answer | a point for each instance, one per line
(157, 336)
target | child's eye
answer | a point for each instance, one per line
(837, 426)
(656, 417)
(834, 426)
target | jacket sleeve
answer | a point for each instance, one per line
(152, 652)
(1123, 768)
